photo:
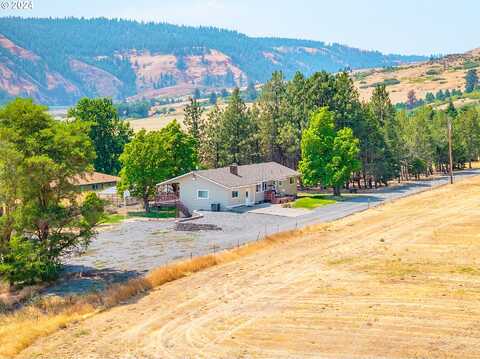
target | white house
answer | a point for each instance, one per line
(231, 186)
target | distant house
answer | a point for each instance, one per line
(231, 186)
(95, 181)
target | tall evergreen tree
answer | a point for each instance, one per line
(236, 131)
(211, 151)
(471, 80)
(212, 99)
(193, 119)
(272, 106)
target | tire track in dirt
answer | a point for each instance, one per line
(375, 285)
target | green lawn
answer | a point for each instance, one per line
(311, 201)
(162, 213)
(113, 219)
(117, 218)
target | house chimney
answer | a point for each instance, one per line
(234, 169)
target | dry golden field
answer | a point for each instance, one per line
(155, 123)
(444, 74)
(398, 281)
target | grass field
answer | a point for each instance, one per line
(401, 280)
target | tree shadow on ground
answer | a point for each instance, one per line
(79, 279)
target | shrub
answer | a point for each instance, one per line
(386, 82)
(469, 64)
(26, 263)
(432, 72)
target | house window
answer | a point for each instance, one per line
(258, 187)
(280, 183)
(202, 194)
(264, 186)
(292, 180)
(234, 194)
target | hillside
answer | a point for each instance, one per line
(362, 287)
(446, 73)
(57, 61)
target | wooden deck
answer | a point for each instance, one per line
(171, 200)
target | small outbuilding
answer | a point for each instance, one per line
(95, 181)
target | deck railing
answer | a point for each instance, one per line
(166, 197)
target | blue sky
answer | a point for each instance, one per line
(407, 26)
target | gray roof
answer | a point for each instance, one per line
(247, 174)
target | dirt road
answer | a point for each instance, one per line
(397, 281)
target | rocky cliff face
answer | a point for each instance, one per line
(57, 61)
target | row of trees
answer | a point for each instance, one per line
(392, 144)
(315, 124)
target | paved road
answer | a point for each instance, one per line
(246, 227)
(132, 248)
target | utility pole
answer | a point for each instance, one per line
(450, 157)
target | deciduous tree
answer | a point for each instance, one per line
(108, 133)
(43, 217)
(153, 157)
(329, 157)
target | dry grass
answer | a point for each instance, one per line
(398, 281)
(22, 328)
(450, 74)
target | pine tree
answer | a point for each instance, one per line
(193, 120)
(429, 97)
(236, 131)
(211, 149)
(440, 96)
(471, 80)
(212, 99)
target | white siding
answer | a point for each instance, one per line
(188, 193)
(218, 194)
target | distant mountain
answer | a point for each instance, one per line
(57, 61)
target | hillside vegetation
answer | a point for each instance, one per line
(57, 61)
(445, 73)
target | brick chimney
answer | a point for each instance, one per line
(234, 169)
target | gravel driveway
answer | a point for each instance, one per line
(134, 247)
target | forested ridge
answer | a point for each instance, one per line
(107, 43)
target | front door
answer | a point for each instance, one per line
(247, 201)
